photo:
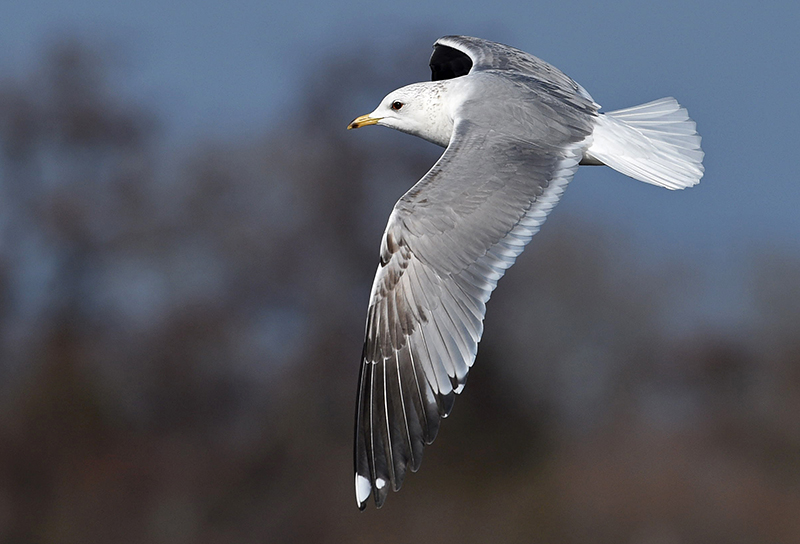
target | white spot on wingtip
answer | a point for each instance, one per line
(459, 389)
(380, 482)
(363, 487)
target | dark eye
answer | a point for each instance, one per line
(396, 105)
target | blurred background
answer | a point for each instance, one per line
(188, 236)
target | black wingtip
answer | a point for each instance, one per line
(448, 63)
(380, 492)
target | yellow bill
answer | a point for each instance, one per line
(363, 121)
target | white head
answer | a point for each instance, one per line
(420, 109)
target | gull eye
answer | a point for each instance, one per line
(396, 105)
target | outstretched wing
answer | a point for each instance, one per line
(448, 241)
(455, 56)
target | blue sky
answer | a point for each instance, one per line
(231, 69)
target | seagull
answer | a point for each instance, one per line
(515, 130)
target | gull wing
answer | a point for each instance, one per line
(448, 241)
(455, 56)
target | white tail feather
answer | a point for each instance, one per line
(655, 142)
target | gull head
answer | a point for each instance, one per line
(421, 109)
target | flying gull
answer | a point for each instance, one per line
(515, 131)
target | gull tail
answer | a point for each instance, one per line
(655, 142)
